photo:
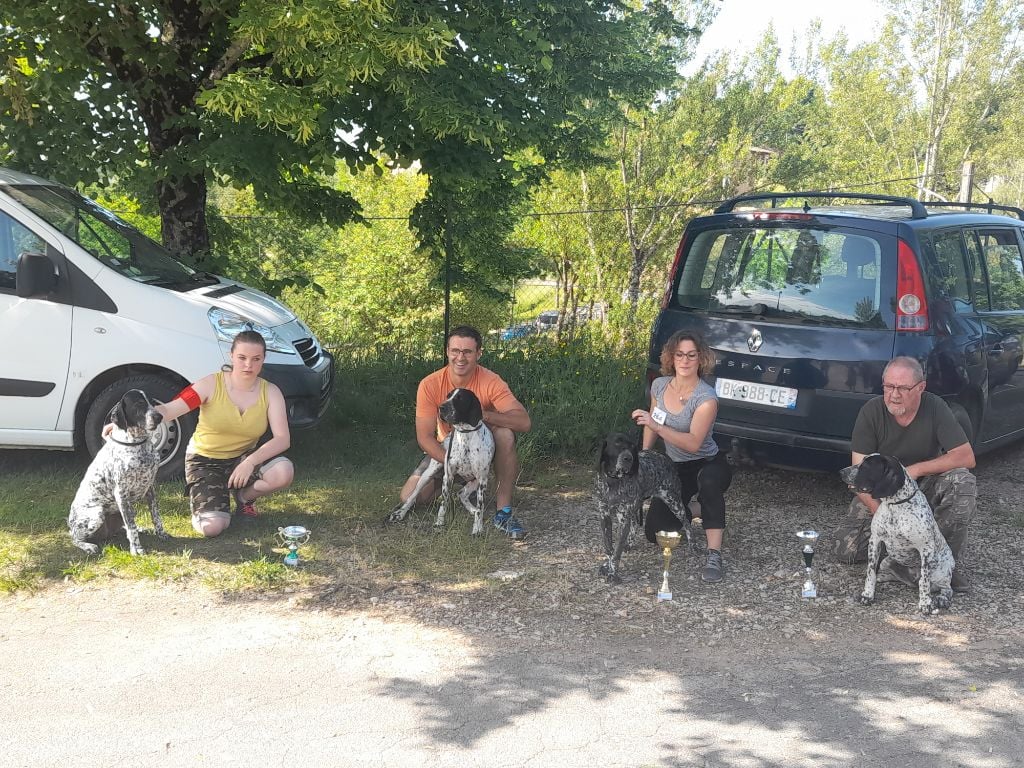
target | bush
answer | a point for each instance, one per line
(575, 391)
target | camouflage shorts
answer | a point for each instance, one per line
(206, 481)
(953, 497)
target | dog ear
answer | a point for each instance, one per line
(638, 439)
(476, 410)
(117, 417)
(602, 454)
(890, 476)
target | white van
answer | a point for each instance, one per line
(90, 307)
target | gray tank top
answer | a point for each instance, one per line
(681, 421)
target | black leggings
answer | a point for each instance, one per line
(709, 479)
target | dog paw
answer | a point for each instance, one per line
(394, 516)
(941, 602)
(865, 599)
(162, 534)
(137, 551)
(85, 546)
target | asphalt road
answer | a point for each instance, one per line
(139, 675)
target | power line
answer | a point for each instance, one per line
(587, 211)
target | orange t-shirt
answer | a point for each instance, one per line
(488, 386)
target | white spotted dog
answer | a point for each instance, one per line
(626, 477)
(468, 452)
(123, 472)
(904, 523)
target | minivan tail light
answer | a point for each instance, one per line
(672, 273)
(911, 308)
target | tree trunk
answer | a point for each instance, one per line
(938, 108)
(183, 226)
(636, 271)
(588, 226)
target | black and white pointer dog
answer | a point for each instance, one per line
(626, 476)
(468, 452)
(123, 472)
(904, 523)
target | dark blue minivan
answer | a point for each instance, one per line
(806, 296)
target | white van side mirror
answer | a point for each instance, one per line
(37, 275)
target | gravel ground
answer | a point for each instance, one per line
(549, 584)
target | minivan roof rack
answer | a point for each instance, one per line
(917, 210)
(990, 207)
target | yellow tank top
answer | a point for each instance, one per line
(225, 433)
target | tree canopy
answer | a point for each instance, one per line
(166, 98)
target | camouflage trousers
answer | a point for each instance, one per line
(953, 497)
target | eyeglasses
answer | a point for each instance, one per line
(903, 389)
(687, 355)
(461, 352)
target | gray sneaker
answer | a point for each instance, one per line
(714, 570)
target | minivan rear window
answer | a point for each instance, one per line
(801, 273)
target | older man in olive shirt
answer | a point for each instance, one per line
(920, 430)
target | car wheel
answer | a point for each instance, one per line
(172, 437)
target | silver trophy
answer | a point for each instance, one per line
(668, 540)
(292, 536)
(809, 538)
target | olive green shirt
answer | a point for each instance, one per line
(933, 431)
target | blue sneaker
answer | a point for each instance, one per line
(504, 521)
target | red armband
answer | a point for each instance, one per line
(190, 397)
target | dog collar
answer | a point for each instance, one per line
(474, 429)
(122, 442)
(912, 495)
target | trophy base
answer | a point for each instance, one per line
(809, 591)
(292, 559)
(664, 597)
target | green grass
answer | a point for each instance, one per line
(349, 470)
(346, 483)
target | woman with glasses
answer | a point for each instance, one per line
(682, 414)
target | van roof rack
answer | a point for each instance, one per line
(989, 207)
(917, 209)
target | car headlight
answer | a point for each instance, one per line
(227, 325)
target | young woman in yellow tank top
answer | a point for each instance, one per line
(224, 458)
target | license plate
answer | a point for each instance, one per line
(762, 394)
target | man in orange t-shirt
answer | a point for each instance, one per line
(503, 414)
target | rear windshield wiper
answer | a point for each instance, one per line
(756, 310)
(763, 310)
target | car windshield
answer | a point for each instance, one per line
(108, 238)
(810, 275)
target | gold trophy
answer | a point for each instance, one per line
(669, 540)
